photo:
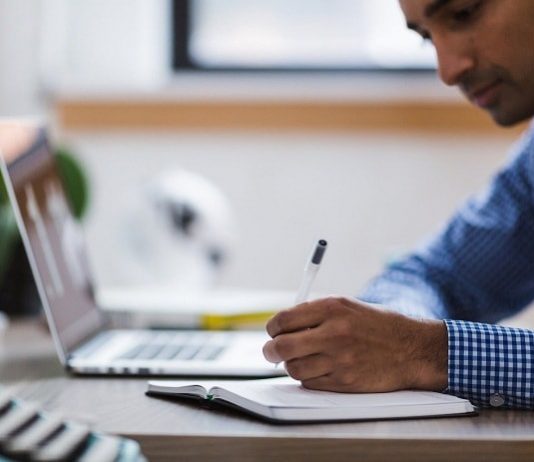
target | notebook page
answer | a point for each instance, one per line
(288, 393)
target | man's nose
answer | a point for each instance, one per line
(453, 63)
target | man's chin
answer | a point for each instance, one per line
(506, 119)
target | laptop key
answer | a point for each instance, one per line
(132, 352)
(181, 347)
(169, 352)
(64, 445)
(29, 439)
(102, 448)
(5, 400)
(188, 352)
(15, 418)
(210, 352)
(150, 351)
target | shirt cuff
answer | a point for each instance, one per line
(491, 365)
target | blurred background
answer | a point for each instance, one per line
(285, 121)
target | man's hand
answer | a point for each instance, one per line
(345, 345)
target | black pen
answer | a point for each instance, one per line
(310, 271)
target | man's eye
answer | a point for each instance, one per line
(467, 13)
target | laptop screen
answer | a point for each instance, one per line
(53, 239)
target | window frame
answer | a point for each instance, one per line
(182, 61)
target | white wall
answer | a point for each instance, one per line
(369, 195)
(19, 58)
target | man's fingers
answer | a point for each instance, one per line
(270, 352)
(324, 383)
(309, 367)
(303, 316)
(285, 347)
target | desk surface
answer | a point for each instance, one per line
(177, 430)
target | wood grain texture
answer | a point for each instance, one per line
(178, 430)
(433, 117)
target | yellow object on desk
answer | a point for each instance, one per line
(251, 320)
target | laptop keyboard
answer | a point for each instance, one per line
(181, 346)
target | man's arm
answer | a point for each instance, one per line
(345, 345)
(480, 267)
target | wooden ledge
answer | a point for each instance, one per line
(433, 117)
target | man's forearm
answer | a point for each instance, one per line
(406, 292)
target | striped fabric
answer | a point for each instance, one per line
(478, 270)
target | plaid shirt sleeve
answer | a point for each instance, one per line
(491, 365)
(478, 269)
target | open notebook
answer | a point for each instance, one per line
(284, 399)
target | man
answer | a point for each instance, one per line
(480, 268)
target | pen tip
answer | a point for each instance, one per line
(318, 252)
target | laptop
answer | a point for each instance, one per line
(85, 341)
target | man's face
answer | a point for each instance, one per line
(486, 47)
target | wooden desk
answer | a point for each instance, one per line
(170, 431)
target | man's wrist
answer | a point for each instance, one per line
(430, 356)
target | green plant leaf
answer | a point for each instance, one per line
(74, 181)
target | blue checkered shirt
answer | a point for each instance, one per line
(476, 271)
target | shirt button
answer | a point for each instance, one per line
(496, 400)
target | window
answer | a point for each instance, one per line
(296, 35)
